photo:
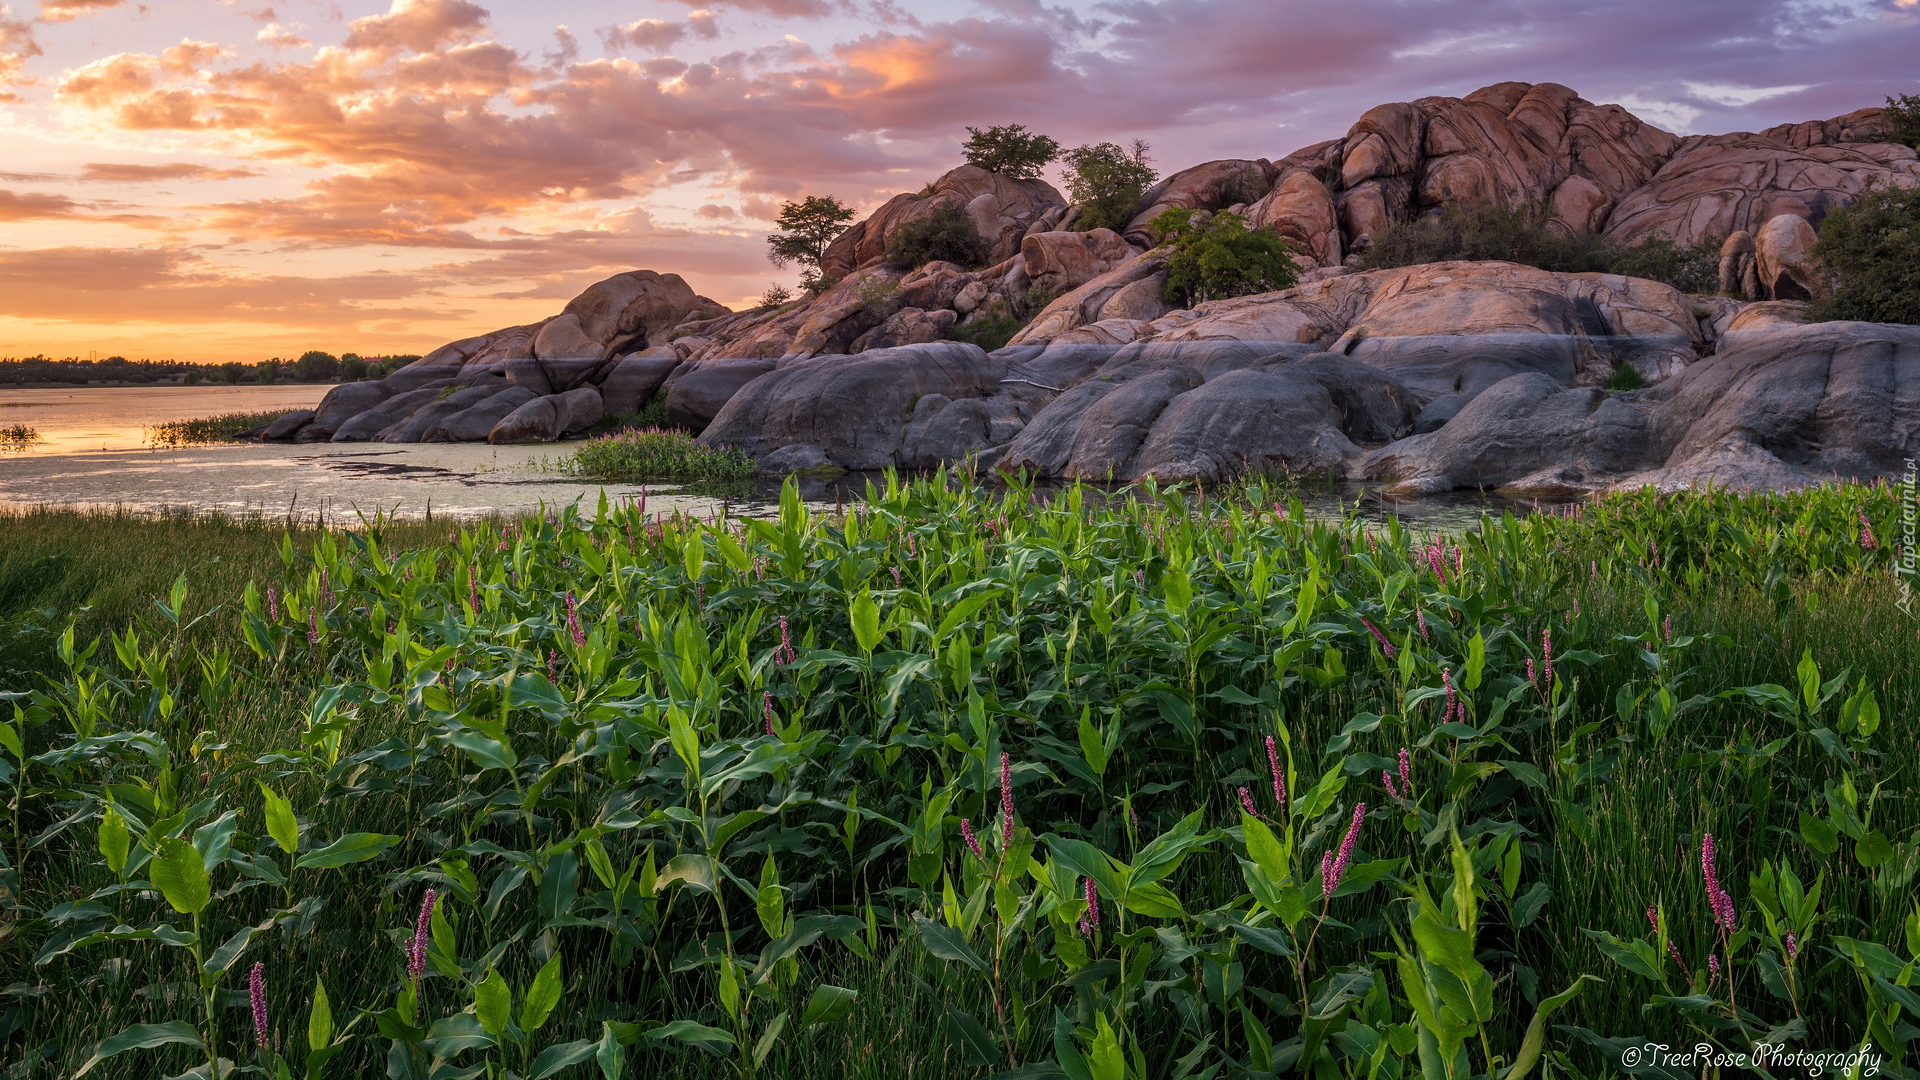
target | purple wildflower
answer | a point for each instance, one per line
(1793, 947)
(313, 626)
(1006, 798)
(1666, 629)
(326, 589)
(1653, 916)
(473, 590)
(766, 709)
(973, 842)
(1420, 616)
(1092, 922)
(1453, 701)
(896, 575)
(573, 623)
(1866, 534)
(1246, 803)
(1385, 645)
(1333, 868)
(417, 948)
(1713, 967)
(1532, 679)
(553, 666)
(1406, 772)
(1386, 781)
(257, 997)
(1546, 652)
(1279, 778)
(1717, 897)
(273, 604)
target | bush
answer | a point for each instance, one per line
(1904, 113)
(990, 332)
(352, 368)
(1869, 248)
(1626, 377)
(650, 454)
(775, 295)
(1213, 257)
(1106, 182)
(207, 429)
(1520, 234)
(948, 234)
(1010, 150)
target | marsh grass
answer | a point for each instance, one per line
(1752, 585)
(207, 430)
(17, 436)
(642, 455)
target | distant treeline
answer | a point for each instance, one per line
(311, 367)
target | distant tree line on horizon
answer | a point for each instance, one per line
(312, 366)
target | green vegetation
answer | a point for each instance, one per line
(1869, 249)
(962, 782)
(776, 295)
(1215, 256)
(639, 455)
(18, 436)
(19, 371)
(1521, 235)
(1010, 150)
(805, 230)
(990, 332)
(1106, 181)
(947, 234)
(208, 429)
(1903, 113)
(1626, 377)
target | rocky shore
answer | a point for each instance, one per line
(1424, 378)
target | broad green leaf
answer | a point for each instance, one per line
(181, 877)
(827, 1004)
(114, 839)
(687, 1031)
(1105, 1061)
(485, 750)
(865, 617)
(1155, 901)
(320, 1020)
(946, 943)
(541, 997)
(281, 824)
(144, 1036)
(1530, 1047)
(561, 1056)
(610, 1053)
(351, 848)
(1819, 835)
(686, 741)
(493, 1004)
(1873, 849)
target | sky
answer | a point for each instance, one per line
(213, 180)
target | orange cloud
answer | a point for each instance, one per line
(29, 206)
(417, 26)
(16, 46)
(177, 170)
(55, 11)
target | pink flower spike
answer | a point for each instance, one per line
(1717, 898)
(1006, 798)
(1279, 778)
(1093, 908)
(1546, 652)
(1421, 618)
(257, 997)
(1339, 864)
(1246, 803)
(1653, 917)
(1386, 781)
(1406, 772)
(417, 948)
(973, 842)
(766, 707)
(573, 623)
(273, 604)
(1385, 645)
(1793, 947)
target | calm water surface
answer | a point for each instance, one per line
(93, 453)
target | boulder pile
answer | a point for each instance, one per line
(1423, 378)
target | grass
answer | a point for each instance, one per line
(712, 777)
(641, 455)
(207, 429)
(17, 436)
(1626, 377)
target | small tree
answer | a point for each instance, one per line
(1868, 247)
(1010, 150)
(1213, 257)
(775, 295)
(1106, 181)
(315, 366)
(352, 367)
(1904, 113)
(948, 234)
(806, 228)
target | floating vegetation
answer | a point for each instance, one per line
(17, 436)
(647, 455)
(208, 429)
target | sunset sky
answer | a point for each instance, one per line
(236, 179)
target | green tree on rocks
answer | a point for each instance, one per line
(1106, 180)
(1216, 256)
(1010, 150)
(806, 228)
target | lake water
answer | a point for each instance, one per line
(92, 452)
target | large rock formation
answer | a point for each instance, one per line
(1423, 378)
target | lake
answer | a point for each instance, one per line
(93, 453)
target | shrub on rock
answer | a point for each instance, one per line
(1520, 234)
(1106, 181)
(1214, 257)
(1869, 249)
(1010, 150)
(946, 235)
